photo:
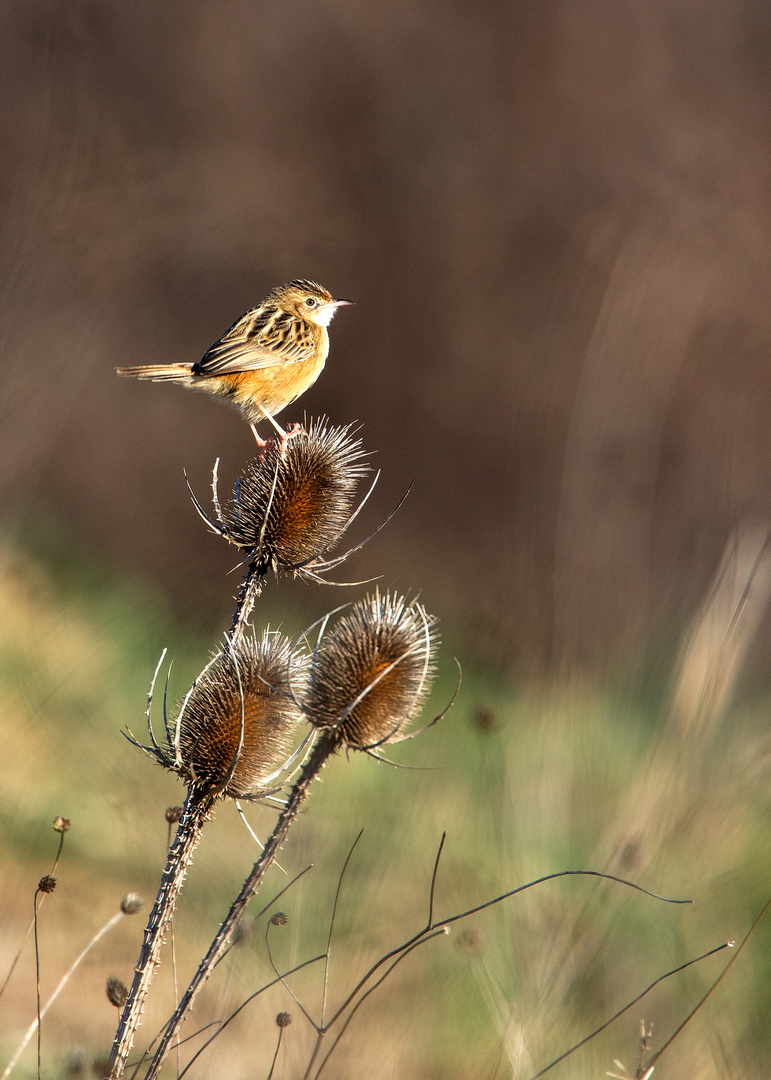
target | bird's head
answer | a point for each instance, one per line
(307, 300)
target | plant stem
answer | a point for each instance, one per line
(197, 809)
(327, 745)
(247, 594)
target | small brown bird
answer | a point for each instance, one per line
(267, 358)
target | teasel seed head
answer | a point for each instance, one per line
(235, 724)
(371, 672)
(292, 505)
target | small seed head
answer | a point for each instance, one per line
(236, 724)
(61, 824)
(278, 919)
(284, 1019)
(131, 903)
(371, 672)
(173, 814)
(117, 992)
(46, 884)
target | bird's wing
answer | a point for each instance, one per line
(240, 349)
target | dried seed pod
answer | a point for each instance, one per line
(117, 992)
(131, 903)
(235, 724)
(371, 672)
(290, 507)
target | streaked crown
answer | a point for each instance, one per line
(305, 299)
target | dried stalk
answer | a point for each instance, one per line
(197, 809)
(327, 745)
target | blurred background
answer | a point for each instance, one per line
(554, 221)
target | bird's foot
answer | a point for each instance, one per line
(261, 443)
(292, 433)
(283, 438)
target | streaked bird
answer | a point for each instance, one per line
(267, 358)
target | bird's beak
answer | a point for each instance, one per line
(327, 311)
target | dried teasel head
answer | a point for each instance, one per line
(233, 730)
(237, 721)
(292, 505)
(371, 672)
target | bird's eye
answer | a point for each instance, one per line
(311, 301)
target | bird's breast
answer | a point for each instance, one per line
(273, 387)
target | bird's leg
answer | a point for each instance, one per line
(284, 436)
(261, 443)
(280, 431)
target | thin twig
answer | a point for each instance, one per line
(37, 982)
(40, 896)
(332, 926)
(320, 1027)
(62, 983)
(433, 880)
(275, 1056)
(717, 981)
(441, 932)
(587, 1038)
(242, 1006)
(482, 907)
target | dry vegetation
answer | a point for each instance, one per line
(531, 784)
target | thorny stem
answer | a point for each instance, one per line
(247, 594)
(197, 808)
(327, 745)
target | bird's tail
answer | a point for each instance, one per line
(158, 372)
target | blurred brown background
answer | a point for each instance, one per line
(553, 218)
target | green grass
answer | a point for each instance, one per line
(563, 778)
